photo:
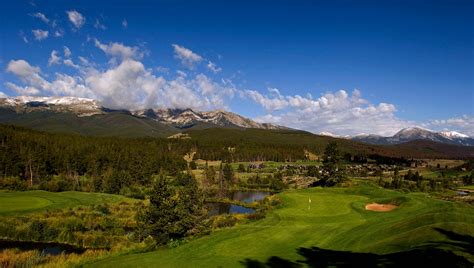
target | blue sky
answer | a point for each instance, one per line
(398, 63)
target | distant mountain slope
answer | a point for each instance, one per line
(110, 124)
(288, 139)
(89, 117)
(416, 133)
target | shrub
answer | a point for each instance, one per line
(224, 221)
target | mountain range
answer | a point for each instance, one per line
(417, 133)
(88, 117)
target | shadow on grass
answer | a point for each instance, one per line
(433, 255)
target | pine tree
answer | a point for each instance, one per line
(173, 213)
(333, 171)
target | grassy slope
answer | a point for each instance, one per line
(33, 201)
(336, 220)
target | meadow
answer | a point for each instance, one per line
(334, 228)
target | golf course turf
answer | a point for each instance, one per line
(14, 203)
(334, 228)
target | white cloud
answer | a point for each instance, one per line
(29, 75)
(67, 52)
(213, 67)
(84, 61)
(3, 95)
(41, 16)
(59, 33)
(23, 91)
(119, 50)
(463, 124)
(186, 56)
(335, 112)
(76, 18)
(54, 58)
(24, 70)
(99, 25)
(40, 34)
(127, 85)
(70, 63)
(124, 23)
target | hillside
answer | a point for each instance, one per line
(416, 133)
(89, 117)
(110, 124)
(295, 140)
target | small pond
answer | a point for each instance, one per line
(223, 208)
(247, 196)
(44, 248)
(216, 208)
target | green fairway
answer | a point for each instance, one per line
(32, 201)
(335, 220)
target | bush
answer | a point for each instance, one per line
(13, 183)
(224, 221)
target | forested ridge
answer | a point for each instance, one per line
(111, 163)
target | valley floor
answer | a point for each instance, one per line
(334, 229)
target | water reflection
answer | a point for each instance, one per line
(248, 197)
(242, 196)
(223, 208)
(44, 248)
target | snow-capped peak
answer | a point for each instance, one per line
(51, 100)
(79, 106)
(454, 134)
(325, 133)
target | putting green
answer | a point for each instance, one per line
(32, 201)
(336, 219)
(13, 203)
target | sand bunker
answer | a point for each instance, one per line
(380, 207)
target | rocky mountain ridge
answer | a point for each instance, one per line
(179, 118)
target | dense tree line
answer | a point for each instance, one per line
(109, 163)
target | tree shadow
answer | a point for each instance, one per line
(432, 255)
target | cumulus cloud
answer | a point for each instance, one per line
(119, 50)
(40, 34)
(125, 85)
(30, 75)
(128, 84)
(76, 18)
(336, 112)
(41, 16)
(463, 124)
(187, 57)
(70, 63)
(213, 67)
(54, 58)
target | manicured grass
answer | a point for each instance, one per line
(336, 220)
(12, 203)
